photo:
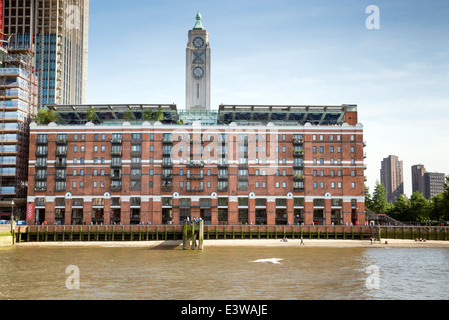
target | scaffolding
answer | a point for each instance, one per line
(18, 106)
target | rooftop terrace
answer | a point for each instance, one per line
(226, 114)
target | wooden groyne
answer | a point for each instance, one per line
(193, 235)
(42, 233)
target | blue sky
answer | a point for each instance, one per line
(290, 52)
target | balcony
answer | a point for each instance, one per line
(298, 177)
(40, 177)
(60, 177)
(115, 188)
(222, 177)
(41, 141)
(136, 153)
(194, 189)
(61, 141)
(136, 141)
(298, 153)
(167, 163)
(136, 165)
(40, 164)
(298, 141)
(222, 164)
(298, 164)
(116, 176)
(116, 140)
(222, 188)
(195, 176)
(60, 189)
(40, 189)
(167, 140)
(116, 152)
(195, 163)
(60, 164)
(135, 176)
(60, 153)
(298, 189)
(116, 164)
(243, 165)
(41, 152)
(243, 177)
(167, 176)
(166, 188)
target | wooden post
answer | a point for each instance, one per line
(185, 235)
(201, 235)
(193, 236)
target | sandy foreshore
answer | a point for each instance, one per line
(397, 243)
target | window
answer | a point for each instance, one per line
(103, 148)
(315, 184)
(321, 149)
(352, 137)
(95, 148)
(331, 149)
(277, 184)
(352, 173)
(339, 185)
(321, 184)
(321, 137)
(75, 148)
(321, 160)
(314, 149)
(314, 137)
(95, 137)
(353, 185)
(284, 184)
(333, 185)
(352, 149)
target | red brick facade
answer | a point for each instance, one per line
(273, 175)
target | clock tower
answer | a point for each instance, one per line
(198, 68)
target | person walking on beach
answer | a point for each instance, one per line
(302, 241)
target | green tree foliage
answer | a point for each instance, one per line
(380, 205)
(401, 209)
(44, 117)
(91, 115)
(128, 115)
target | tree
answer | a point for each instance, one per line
(419, 207)
(91, 115)
(44, 117)
(128, 115)
(445, 201)
(159, 115)
(148, 115)
(401, 209)
(380, 205)
(436, 207)
(368, 199)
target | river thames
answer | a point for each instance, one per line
(221, 273)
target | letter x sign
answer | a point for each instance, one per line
(198, 56)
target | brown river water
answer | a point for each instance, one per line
(220, 273)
